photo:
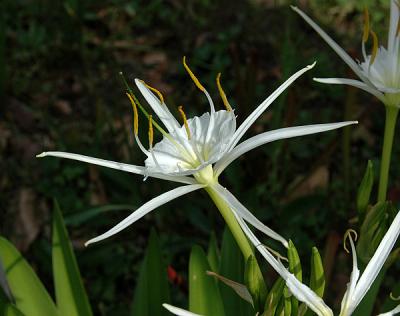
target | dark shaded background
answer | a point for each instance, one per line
(60, 88)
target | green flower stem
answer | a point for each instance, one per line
(390, 124)
(232, 223)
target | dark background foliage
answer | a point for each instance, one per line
(60, 90)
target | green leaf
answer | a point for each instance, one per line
(274, 297)
(152, 288)
(204, 295)
(11, 310)
(212, 253)
(255, 283)
(365, 188)
(295, 268)
(31, 296)
(232, 267)
(317, 279)
(71, 297)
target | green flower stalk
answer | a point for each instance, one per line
(380, 75)
(196, 152)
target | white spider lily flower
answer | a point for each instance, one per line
(179, 311)
(356, 288)
(196, 152)
(380, 71)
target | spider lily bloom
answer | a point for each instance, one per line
(179, 311)
(356, 288)
(379, 74)
(196, 153)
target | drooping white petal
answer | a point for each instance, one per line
(340, 51)
(270, 136)
(394, 20)
(146, 208)
(348, 303)
(392, 312)
(244, 213)
(159, 108)
(302, 292)
(377, 261)
(351, 82)
(179, 311)
(264, 105)
(116, 165)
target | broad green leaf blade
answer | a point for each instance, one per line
(274, 297)
(204, 295)
(232, 267)
(212, 253)
(71, 297)
(31, 297)
(365, 188)
(255, 283)
(239, 288)
(11, 310)
(152, 288)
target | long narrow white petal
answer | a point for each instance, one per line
(340, 51)
(394, 20)
(264, 105)
(392, 312)
(116, 165)
(351, 82)
(377, 261)
(146, 208)
(271, 136)
(179, 311)
(302, 292)
(244, 213)
(159, 108)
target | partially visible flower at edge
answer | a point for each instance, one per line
(380, 71)
(358, 286)
(196, 153)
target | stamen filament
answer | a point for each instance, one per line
(159, 94)
(348, 234)
(192, 75)
(374, 47)
(185, 122)
(151, 132)
(222, 94)
(366, 26)
(135, 114)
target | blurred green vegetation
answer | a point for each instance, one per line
(60, 89)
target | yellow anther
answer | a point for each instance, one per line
(348, 234)
(159, 94)
(398, 27)
(151, 133)
(185, 122)
(192, 75)
(135, 114)
(222, 93)
(374, 47)
(366, 26)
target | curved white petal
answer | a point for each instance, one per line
(159, 108)
(340, 51)
(116, 165)
(351, 82)
(178, 311)
(377, 261)
(394, 20)
(302, 292)
(244, 213)
(271, 136)
(264, 105)
(145, 209)
(392, 312)
(348, 303)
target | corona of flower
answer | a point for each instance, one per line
(379, 71)
(197, 151)
(358, 286)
